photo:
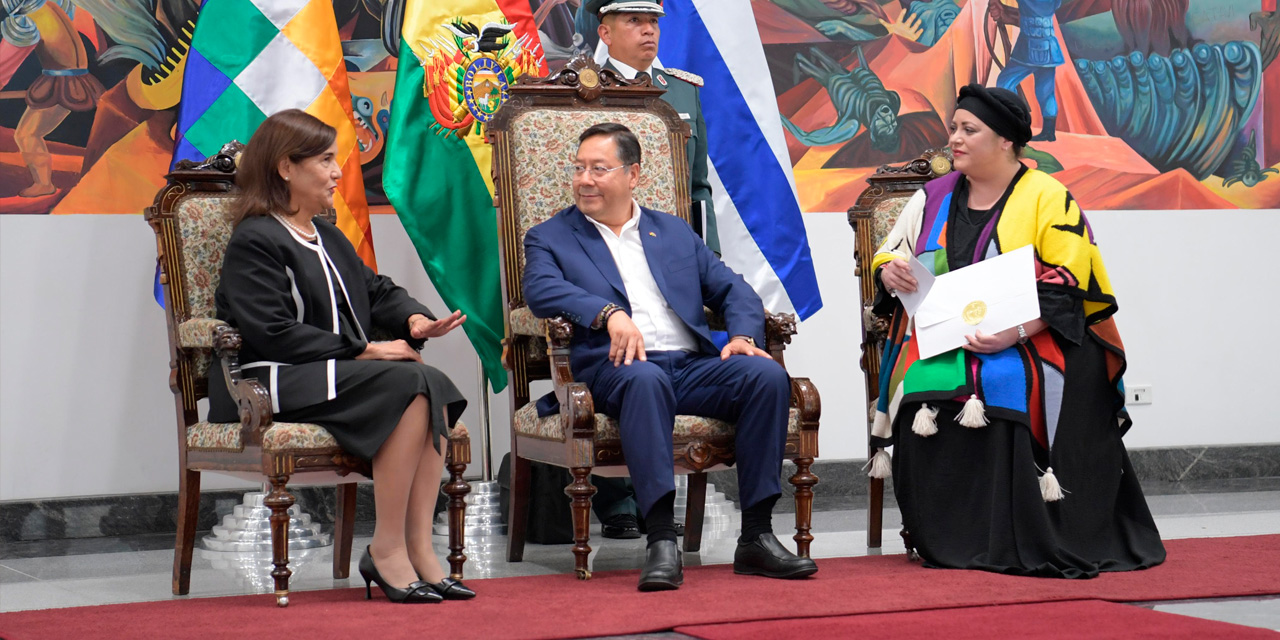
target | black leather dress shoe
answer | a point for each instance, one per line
(621, 527)
(662, 567)
(765, 556)
(451, 589)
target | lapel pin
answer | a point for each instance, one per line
(653, 234)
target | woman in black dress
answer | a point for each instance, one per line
(1007, 453)
(306, 305)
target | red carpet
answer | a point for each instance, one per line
(561, 606)
(1045, 621)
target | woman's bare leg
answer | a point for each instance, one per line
(421, 511)
(394, 468)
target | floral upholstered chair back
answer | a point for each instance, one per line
(872, 217)
(204, 228)
(544, 143)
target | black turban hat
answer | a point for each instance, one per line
(1004, 111)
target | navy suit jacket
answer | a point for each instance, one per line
(569, 271)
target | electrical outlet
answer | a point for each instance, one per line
(1138, 394)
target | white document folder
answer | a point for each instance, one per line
(991, 296)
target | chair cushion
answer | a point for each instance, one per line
(547, 140)
(280, 436)
(523, 323)
(687, 428)
(197, 333)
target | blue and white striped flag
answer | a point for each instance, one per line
(761, 231)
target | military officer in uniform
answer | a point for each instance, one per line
(630, 29)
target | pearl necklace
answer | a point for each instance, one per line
(308, 236)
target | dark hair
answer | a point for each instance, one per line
(627, 143)
(293, 134)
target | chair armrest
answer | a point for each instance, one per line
(524, 323)
(198, 333)
(577, 409)
(778, 329)
(251, 397)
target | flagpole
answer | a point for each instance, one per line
(486, 450)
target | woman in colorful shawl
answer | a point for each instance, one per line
(1007, 452)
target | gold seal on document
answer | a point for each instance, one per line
(974, 312)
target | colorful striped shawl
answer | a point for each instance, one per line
(1022, 383)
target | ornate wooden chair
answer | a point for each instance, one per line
(872, 217)
(533, 136)
(192, 226)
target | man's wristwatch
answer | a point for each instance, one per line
(1022, 335)
(751, 341)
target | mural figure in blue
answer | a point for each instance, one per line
(1036, 53)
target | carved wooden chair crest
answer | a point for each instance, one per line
(191, 220)
(872, 218)
(534, 136)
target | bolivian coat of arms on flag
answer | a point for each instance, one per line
(457, 62)
(468, 70)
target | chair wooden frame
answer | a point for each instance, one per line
(215, 177)
(888, 182)
(540, 355)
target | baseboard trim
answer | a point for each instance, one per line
(842, 485)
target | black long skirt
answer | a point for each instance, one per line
(970, 498)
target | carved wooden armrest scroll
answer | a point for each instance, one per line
(251, 397)
(576, 407)
(778, 329)
(876, 326)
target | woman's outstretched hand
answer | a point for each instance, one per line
(393, 350)
(421, 326)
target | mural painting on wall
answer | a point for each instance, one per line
(1137, 104)
(89, 90)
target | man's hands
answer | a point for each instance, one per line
(896, 276)
(738, 346)
(393, 350)
(421, 326)
(626, 343)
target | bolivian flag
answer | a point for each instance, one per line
(252, 58)
(458, 59)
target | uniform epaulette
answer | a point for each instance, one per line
(692, 78)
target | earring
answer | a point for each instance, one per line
(286, 178)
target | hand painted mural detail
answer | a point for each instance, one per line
(1137, 104)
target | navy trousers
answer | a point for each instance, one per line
(752, 391)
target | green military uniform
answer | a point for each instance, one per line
(683, 89)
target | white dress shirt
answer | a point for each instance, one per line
(659, 325)
(628, 71)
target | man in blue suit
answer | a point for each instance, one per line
(635, 281)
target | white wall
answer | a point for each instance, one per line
(85, 408)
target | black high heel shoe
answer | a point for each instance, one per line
(451, 589)
(417, 593)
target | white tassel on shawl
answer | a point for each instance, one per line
(926, 422)
(973, 415)
(1050, 490)
(880, 465)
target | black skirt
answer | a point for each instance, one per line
(370, 400)
(970, 498)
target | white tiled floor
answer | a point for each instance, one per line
(77, 580)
